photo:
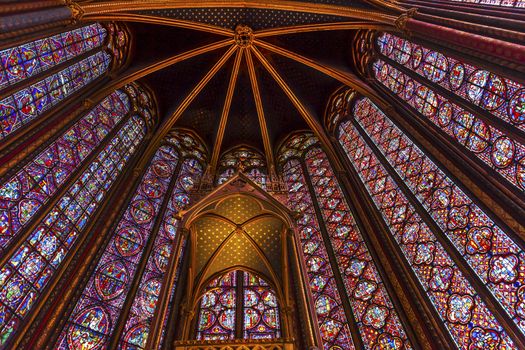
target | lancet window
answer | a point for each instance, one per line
(327, 227)
(238, 299)
(474, 107)
(376, 147)
(139, 253)
(37, 75)
(246, 160)
(73, 175)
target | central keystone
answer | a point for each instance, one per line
(243, 35)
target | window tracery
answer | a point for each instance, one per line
(372, 309)
(42, 252)
(468, 319)
(26, 60)
(94, 317)
(246, 160)
(36, 183)
(136, 330)
(493, 256)
(219, 303)
(25, 104)
(502, 97)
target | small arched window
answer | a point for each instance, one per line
(238, 304)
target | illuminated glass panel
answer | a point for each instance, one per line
(502, 97)
(490, 145)
(23, 61)
(331, 318)
(506, 3)
(495, 258)
(222, 296)
(245, 160)
(372, 308)
(260, 309)
(465, 315)
(188, 145)
(25, 105)
(217, 309)
(32, 266)
(22, 195)
(136, 330)
(95, 315)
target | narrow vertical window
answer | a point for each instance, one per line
(493, 256)
(244, 160)
(42, 251)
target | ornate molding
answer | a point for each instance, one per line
(402, 20)
(77, 12)
(236, 344)
(243, 36)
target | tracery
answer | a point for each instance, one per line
(246, 160)
(467, 317)
(256, 299)
(40, 252)
(116, 233)
(491, 142)
(372, 308)
(20, 105)
(164, 189)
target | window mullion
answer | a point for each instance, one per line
(356, 338)
(467, 271)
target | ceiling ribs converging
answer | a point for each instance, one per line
(246, 52)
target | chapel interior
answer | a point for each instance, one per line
(262, 175)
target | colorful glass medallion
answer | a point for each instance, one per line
(516, 109)
(142, 211)
(129, 241)
(111, 279)
(90, 326)
(136, 336)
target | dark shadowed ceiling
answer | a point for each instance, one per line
(173, 84)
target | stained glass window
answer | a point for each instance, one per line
(331, 318)
(245, 160)
(372, 308)
(505, 3)
(95, 314)
(136, 330)
(171, 298)
(24, 193)
(470, 323)
(29, 270)
(495, 258)
(24, 104)
(502, 97)
(491, 145)
(23, 61)
(218, 308)
(260, 309)
(150, 216)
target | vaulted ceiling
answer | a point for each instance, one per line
(251, 86)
